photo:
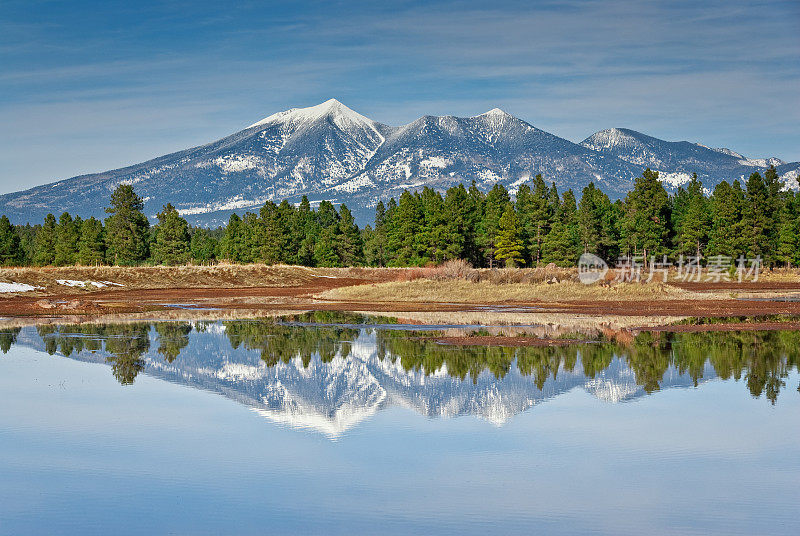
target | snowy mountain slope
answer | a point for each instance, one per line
(331, 152)
(488, 148)
(676, 160)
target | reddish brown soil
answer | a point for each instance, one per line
(298, 298)
(713, 308)
(746, 286)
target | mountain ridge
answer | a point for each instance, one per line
(329, 151)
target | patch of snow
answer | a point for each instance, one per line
(236, 163)
(362, 181)
(487, 175)
(409, 186)
(17, 287)
(234, 203)
(84, 284)
(435, 162)
(71, 282)
(513, 188)
(790, 179)
(674, 179)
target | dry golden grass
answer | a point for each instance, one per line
(459, 291)
(552, 324)
(171, 277)
(461, 270)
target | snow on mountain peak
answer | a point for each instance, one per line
(609, 138)
(495, 112)
(338, 112)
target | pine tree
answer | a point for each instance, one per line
(775, 199)
(646, 229)
(274, 233)
(27, 234)
(493, 208)
(127, 228)
(44, 243)
(326, 215)
(695, 227)
(349, 247)
(402, 234)
(252, 238)
(433, 234)
(757, 218)
(679, 204)
(302, 233)
(67, 234)
(596, 220)
(562, 244)
(508, 245)
(727, 236)
(788, 230)
(476, 203)
(91, 244)
(311, 232)
(375, 239)
(232, 242)
(203, 246)
(535, 215)
(459, 227)
(10, 250)
(171, 245)
(325, 250)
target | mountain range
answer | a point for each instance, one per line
(331, 152)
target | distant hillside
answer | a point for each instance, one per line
(330, 152)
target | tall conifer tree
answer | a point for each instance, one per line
(508, 242)
(10, 250)
(127, 228)
(91, 244)
(44, 243)
(172, 239)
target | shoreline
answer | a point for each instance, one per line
(230, 291)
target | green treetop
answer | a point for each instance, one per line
(10, 250)
(91, 243)
(44, 243)
(171, 245)
(127, 228)
(508, 245)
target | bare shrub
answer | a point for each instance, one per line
(453, 269)
(411, 274)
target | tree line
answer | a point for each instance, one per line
(537, 226)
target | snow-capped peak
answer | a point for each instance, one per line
(609, 138)
(332, 108)
(495, 112)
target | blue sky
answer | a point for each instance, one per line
(91, 86)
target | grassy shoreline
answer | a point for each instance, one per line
(446, 294)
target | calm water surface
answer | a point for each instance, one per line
(258, 427)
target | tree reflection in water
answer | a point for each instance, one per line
(763, 358)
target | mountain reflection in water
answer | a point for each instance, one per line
(329, 371)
